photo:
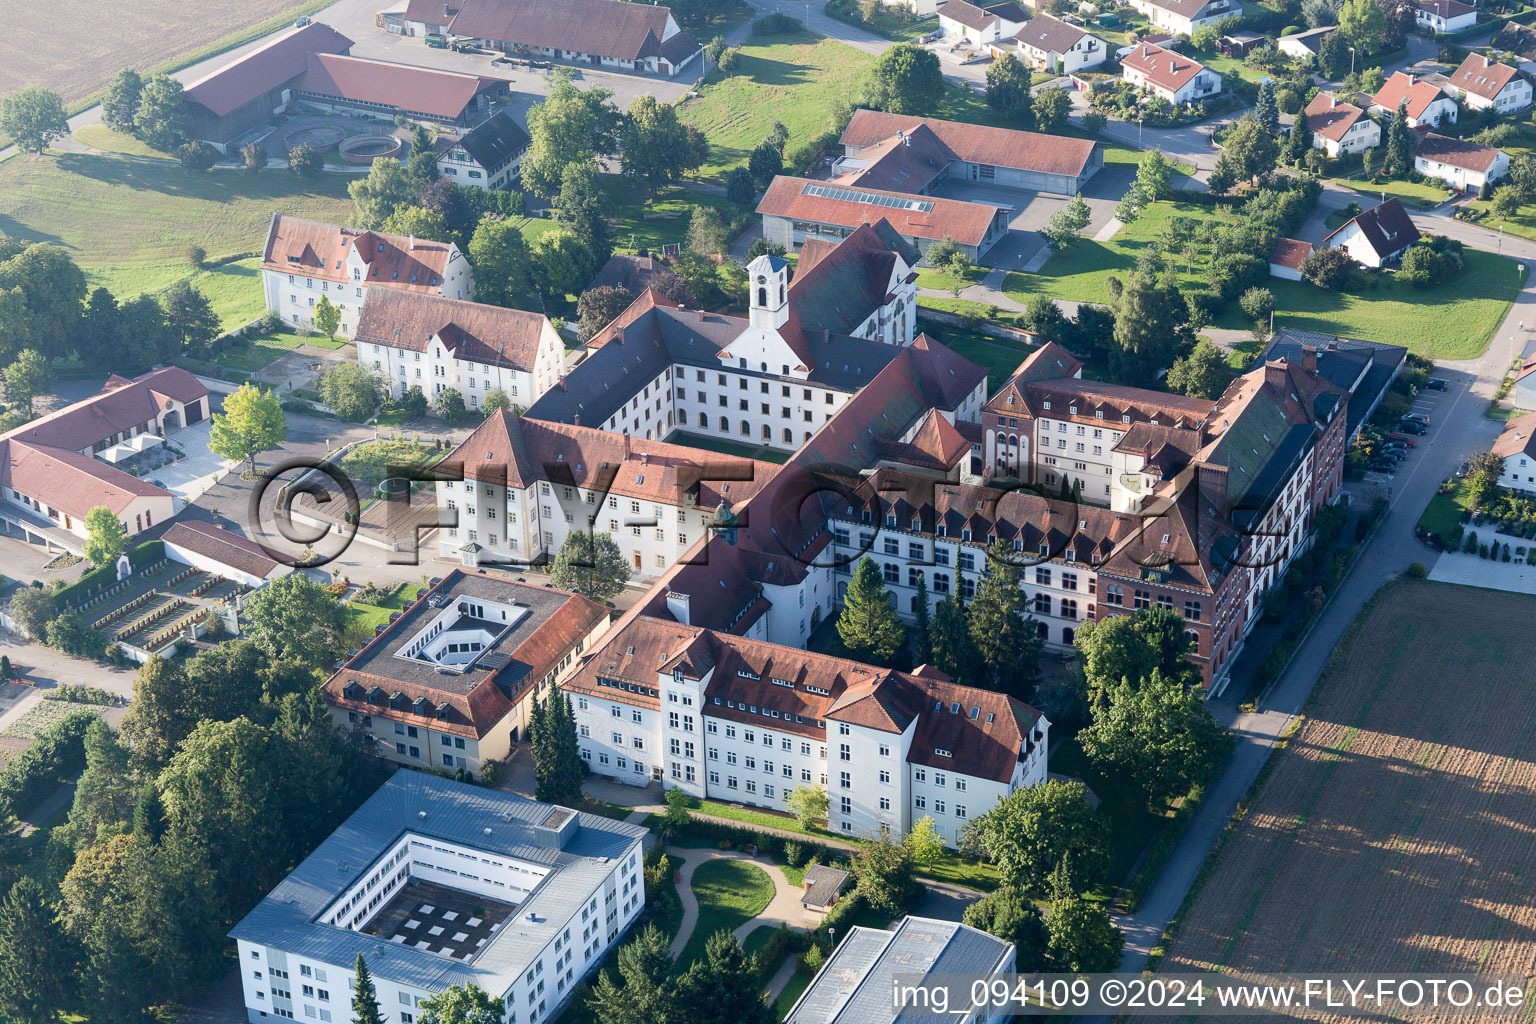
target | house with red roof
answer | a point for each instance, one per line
(377, 88)
(1426, 104)
(610, 34)
(1339, 127)
(304, 261)
(1286, 258)
(1048, 44)
(1442, 16)
(1459, 162)
(1182, 17)
(1173, 76)
(1483, 84)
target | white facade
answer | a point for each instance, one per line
(1519, 473)
(998, 28)
(1088, 52)
(1436, 22)
(1182, 24)
(1514, 96)
(462, 169)
(293, 296)
(1362, 135)
(1202, 86)
(1465, 178)
(439, 369)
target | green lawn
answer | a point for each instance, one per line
(792, 78)
(663, 220)
(1410, 193)
(892, 22)
(730, 893)
(618, 812)
(1523, 224)
(372, 462)
(793, 990)
(760, 452)
(267, 348)
(1443, 513)
(99, 136)
(44, 716)
(1453, 321)
(366, 616)
(128, 221)
(1000, 357)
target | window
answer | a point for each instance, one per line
(1192, 611)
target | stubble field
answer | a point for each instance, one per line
(1396, 832)
(75, 46)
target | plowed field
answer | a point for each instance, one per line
(1397, 832)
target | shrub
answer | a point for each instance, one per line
(1094, 121)
(57, 754)
(196, 256)
(794, 854)
(776, 25)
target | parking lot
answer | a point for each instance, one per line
(1032, 211)
(1425, 405)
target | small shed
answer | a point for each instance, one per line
(1287, 257)
(823, 886)
(1240, 44)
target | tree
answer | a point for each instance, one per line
(557, 774)
(26, 378)
(645, 989)
(905, 79)
(1131, 647)
(941, 252)
(739, 186)
(679, 810)
(197, 155)
(252, 423)
(161, 119)
(721, 986)
(1506, 203)
(449, 405)
(868, 626)
(1258, 304)
(1483, 472)
(1157, 735)
(809, 804)
(105, 536)
(882, 870)
(458, 206)
(305, 162)
(121, 104)
(501, 260)
(1298, 142)
(350, 391)
(421, 164)
(254, 156)
(923, 841)
(462, 1004)
(381, 193)
(1201, 374)
(655, 146)
(1008, 85)
(765, 161)
(562, 263)
(590, 564)
(570, 127)
(295, 618)
(922, 625)
(1151, 324)
(365, 1001)
(598, 307)
(1080, 937)
(706, 232)
(1028, 832)
(33, 117)
(1068, 223)
(40, 287)
(1362, 24)
(1266, 111)
(32, 608)
(327, 317)
(1012, 916)
(959, 268)
(1051, 109)
(1249, 150)
(1328, 268)
(1154, 173)
(495, 400)
(954, 645)
(584, 207)
(34, 963)
(418, 222)
(1002, 627)
(189, 314)
(1398, 161)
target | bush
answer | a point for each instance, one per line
(197, 155)
(196, 256)
(56, 755)
(1418, 570)
(1094, 121)
(74, 693)
(776, 25)
(794, 854)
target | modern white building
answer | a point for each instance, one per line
(1050, 44)
(1517, 447)
(1182, 17)
(304, 261)
(733, 718)
(413, 339)
(1338, 127)
(436, 883)
(1173, 76)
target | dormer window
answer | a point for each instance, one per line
(1046, 406)
(1125, 418)
(1098, 414)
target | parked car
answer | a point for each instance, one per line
(1386, 466)
(1395, 446)
(1435, 384)
(1463, 469)
(1398, 454)
(1412, 427)
(1417, 417)
(1429, 537)
(1404, 438)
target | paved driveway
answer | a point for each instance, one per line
(200, 470)
(1032, 211)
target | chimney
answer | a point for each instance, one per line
(576, 420)
(626, 445)
(677, 606)
(1274, 375)
(1213, 485)
(1309, 358)
(413, 243)
(1333, 101)
(645, 458)
(1411, 78)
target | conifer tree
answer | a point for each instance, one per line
(1002, 627)
(365, 1002)
(868, 625)
(922, 629)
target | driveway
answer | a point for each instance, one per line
(191, 477)
(1032, 211)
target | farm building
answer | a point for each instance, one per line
(244, 94)
(606, 33)
(385, 90)
(488, 156)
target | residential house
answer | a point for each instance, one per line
(438, 884)
(1376, 237)
(1517, 447)
(1286, 258)
(304, 261)
(1182, 17)
(1484, 85)
(450, 682)
(1520, 42)
(416, 339)
(1173, 76)
(1523, 394)
(1302, 45)
(489, 156)
(980, 25)
(609, 34)
(245, 94)
(1340, 128)
(376, 88)
(1442, 16)
(1459, 163)
(1050, 44)
(1426, 104)
(728, 717)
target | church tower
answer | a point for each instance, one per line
(768, 292)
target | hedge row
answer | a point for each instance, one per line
(766, 842)
(144, 554)
(56, 755)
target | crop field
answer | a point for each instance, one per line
(1394, 833)
(43, 44)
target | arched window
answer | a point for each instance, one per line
(1194, 641)
(703, 420)
(682, 417)
(746, 429)
(767, 432)
(762, 298)
(789, 436)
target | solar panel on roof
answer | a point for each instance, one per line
(853, 195)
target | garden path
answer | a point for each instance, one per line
(783, 909)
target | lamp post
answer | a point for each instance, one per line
(1139, 122)
(1351, 61)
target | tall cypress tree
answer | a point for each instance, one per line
(538, 746)
(33, 958)
(1266, 109)
(563, 757)
(868, 626)
(1002, 627)
(922, 629)
(365, 1002)
(953, 650)
(1399, 159)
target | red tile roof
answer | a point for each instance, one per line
(1163, 68)
(1446, 9)
(313, 249)
(1003, 147)
(1482, 77)
(268, 67)
(918, 217)
(1518, 438)
(1386, 227)
(431, 12)
(442, 94)
(1417, 93)
(1050, 35)
(1288, 252)
(1330, 117)
(490, 335)
(222, 546)
(607, 28)
(1457, 152)
(69, 481)
(120, 405)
